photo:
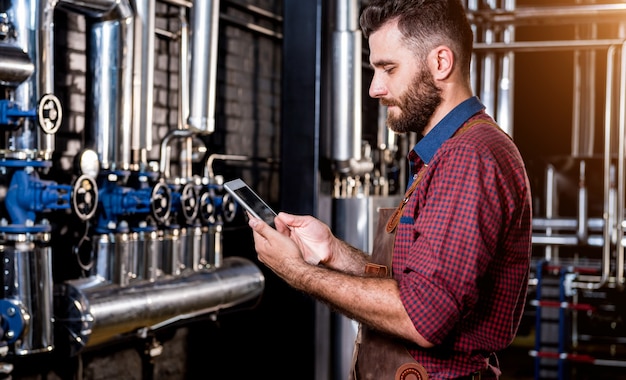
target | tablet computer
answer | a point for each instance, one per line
(250, 200)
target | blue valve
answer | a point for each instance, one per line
(10, 113)
(117, 201)
(29, 195)
(11, 320)
(48, 114)
(185, 202)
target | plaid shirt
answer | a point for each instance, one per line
(462, 250)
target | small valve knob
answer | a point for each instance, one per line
(85, 197)
(49, 113)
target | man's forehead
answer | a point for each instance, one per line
(387, 45)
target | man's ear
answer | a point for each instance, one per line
(441, 61)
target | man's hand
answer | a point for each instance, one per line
(313, 237)
(276, 250)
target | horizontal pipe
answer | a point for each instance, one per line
(94, 311)
(180, 3)
(547, 46)
(251, 27)
(549, 15)
(15, 65)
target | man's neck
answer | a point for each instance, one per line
(451, 99)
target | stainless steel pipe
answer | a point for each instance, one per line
(15, 65)
(94, 311)
(143, 74)
(110, 37)
(33, 21)
(203, 73)
(346, 88)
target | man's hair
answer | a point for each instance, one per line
(425, 24)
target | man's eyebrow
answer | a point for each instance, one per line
(381, 63)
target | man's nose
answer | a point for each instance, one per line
(377, 88)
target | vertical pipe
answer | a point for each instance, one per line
(621, 185)
(46, 68)
(110, 60)
(472, 5)
(388, 145)
(505, 101)
(346, 85)
(33, 23)
(550, 205)
(186, 145)
(205, 28)
(583, 110)
(27, 258)
(30, 269)
(538, 317)
(583, 199)
(562, 334)
(488, 87)
(183, 95)
(143, 74)
(607, 207)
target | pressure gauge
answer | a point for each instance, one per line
(88, 163)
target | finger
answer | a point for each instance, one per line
(282, 227)
(258, 226)
(291, 220)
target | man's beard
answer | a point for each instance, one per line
(417, 105)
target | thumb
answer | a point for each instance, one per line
(257, 225)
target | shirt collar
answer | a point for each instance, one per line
(427, 146)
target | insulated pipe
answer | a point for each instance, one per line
(143, 74)
(95, 312)
(15, 65)
(203, 73)
(346, 87)
(33, 21)
(110, 77)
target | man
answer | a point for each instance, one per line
(463, 241)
